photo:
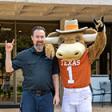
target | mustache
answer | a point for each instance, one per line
(40, 42)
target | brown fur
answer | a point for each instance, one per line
(49, 50)
(97, 48)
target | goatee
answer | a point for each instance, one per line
(39, 48)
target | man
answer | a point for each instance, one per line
(40, 74)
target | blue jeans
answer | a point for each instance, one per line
(31, 102)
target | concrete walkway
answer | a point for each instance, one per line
(96, 108)
(57, 109)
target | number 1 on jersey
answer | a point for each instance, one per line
(69, 69)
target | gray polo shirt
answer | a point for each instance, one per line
(37, 69)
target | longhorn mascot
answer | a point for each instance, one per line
(75, 60)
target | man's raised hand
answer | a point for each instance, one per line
(9, 46)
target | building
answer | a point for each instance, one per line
(17, 17)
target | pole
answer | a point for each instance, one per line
(14, 75)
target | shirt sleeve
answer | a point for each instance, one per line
(55, 66)
(17, 63)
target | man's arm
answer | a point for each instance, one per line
(56, 99)
(8, 61)
(56, 83)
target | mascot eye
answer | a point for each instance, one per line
(61, 40)
(77, 39)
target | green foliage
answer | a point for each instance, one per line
(23, 42)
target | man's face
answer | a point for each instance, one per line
(38, 37)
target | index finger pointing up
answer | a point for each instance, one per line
(13, 41)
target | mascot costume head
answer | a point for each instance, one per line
(75, 58)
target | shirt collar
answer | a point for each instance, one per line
(33, 50)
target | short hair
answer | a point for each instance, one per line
(38, 28)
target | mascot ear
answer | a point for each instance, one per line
(53, 34)
(52, 38)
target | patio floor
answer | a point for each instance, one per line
(96, 108)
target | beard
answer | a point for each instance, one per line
(39, 47)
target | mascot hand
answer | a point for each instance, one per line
(49, 51)
(99, 24)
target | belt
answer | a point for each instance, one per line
(40, 92)
(77, 89)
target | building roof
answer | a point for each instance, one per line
(50, 10)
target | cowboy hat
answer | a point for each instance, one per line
(71, 26)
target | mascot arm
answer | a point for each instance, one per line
(97, 48)
(49, 51)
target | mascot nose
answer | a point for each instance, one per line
(70, 51)
(68, 54)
